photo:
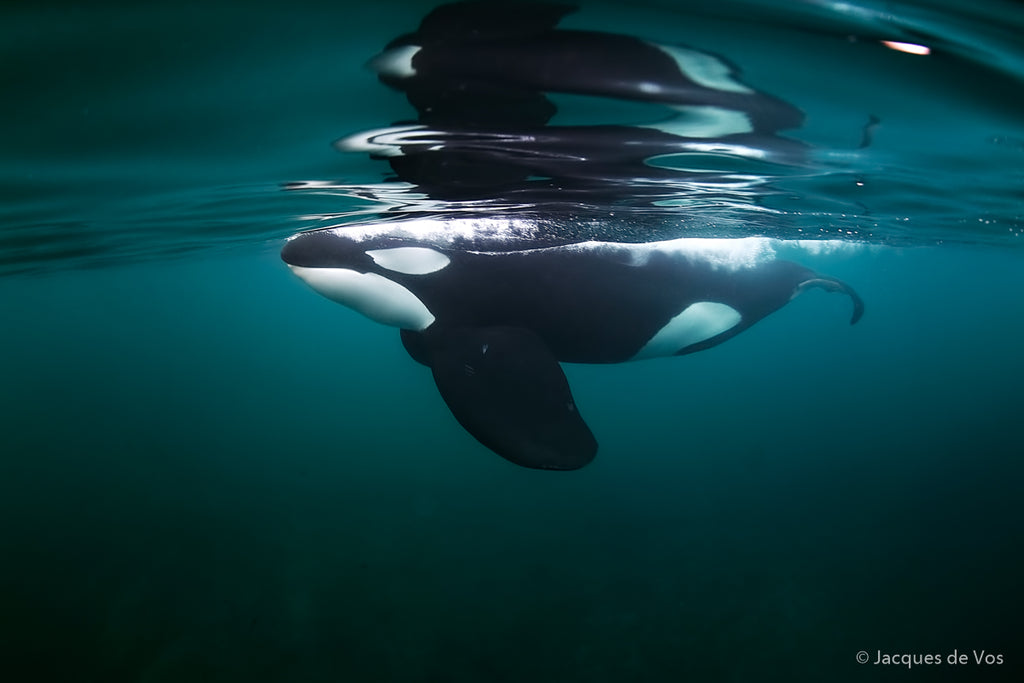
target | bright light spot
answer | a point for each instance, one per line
(910, 48)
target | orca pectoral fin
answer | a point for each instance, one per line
(830, 284)
(506, 388)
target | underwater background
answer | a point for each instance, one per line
(207, 472)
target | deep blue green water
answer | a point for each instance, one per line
(207, 472)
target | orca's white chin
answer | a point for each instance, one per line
(375, 296)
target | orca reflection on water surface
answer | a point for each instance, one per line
(492, 309)
(490, 63)
(481, 76)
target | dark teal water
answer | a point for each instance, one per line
(207, 472)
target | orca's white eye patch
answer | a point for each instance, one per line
(375, 296)
(698, 322)
(409, 260)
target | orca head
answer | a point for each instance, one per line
(326, 248)
(370, 276)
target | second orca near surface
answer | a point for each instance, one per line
(492, 308)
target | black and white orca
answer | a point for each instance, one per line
(481, 75)
(607, 160)
(492, 307)
(490, 63)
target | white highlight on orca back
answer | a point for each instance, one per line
(396, 62)
(445, 233)
(703, 69)
(375, 296)
(697, 322)
(730, 254)
(409, 260)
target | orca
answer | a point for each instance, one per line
(490, 63)
(493, 305)
(538, 164)
(481, 77)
